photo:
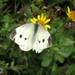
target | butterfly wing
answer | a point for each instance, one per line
(23, 36)
(42, 39)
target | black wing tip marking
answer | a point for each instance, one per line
(13, 33)
(49, 41)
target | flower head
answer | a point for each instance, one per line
(41, 20)
(71, 14)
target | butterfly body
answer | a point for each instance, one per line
(30, 36)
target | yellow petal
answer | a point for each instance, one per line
(35, 19)
(68, 9)
(73, 20)
(47, 21)
(32, 21)
(47, 26)
(42, 16)
(68, 15)
(38, 17)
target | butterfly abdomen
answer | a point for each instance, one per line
(35, 31)
(36, 28)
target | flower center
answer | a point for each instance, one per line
(41, 22)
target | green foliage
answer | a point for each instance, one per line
(52, 3)
(59, 59)
(47, 58)
(71, 71)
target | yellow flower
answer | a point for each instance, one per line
(71, 14)
(41, 20)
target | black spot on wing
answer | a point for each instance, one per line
(49, 41)
(39, 41)
(43, 40)
(13, 33)
(20, 36)
(25, 38)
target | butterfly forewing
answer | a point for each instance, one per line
(23, 36)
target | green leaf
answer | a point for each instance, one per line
(29, 72)
(3, 66)
(3, 0)
(59, 58)
(56, 25)
(13, 67)
(52, 3)
(66, 41)
(34, 7)
(71, 71)
(7, 18)
(40, 71)
(29, 12)
(59, 71)
(47, 58)
(46, 62)
(6, 42)
(65, 51)
(54, 67)
(13, 26)
(3, 51)
(14, 52)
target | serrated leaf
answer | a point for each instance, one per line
(66, 41)
(47, 58)
(65, 50)
(46, 62)
(59, 58)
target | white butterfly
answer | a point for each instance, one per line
(31, 36)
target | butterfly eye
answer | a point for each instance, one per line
(43, 40)
(20, 36)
